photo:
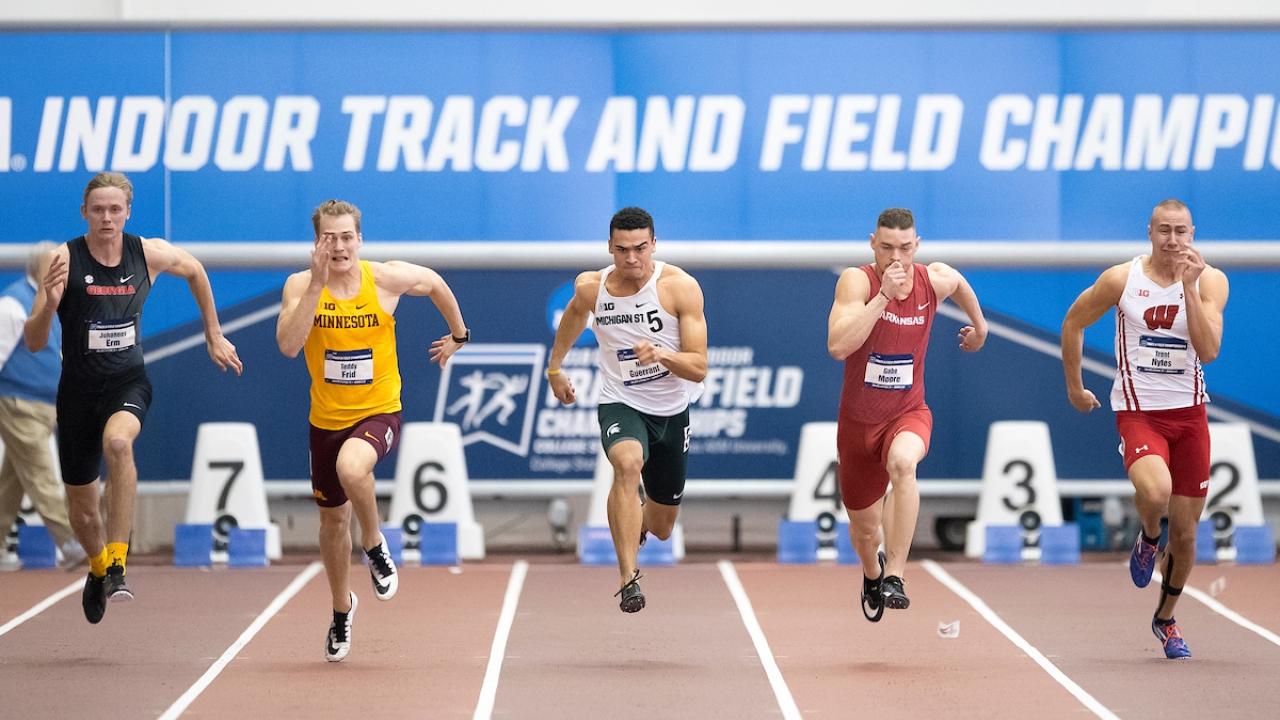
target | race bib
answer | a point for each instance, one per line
(1164, 355)
(889, 372)
(634, 373)
(111, 335)
(348, 367)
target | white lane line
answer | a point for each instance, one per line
(489, 689)
(41, 606)
(1224, 611)
(188, 697)
(786, 703)
(990, 616)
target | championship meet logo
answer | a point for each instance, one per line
(490, 392)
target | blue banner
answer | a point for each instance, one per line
(1003, 135)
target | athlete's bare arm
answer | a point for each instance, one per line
(48, 297)
(1204, 308)
(1085, 311)
(852, 313)
(402, 278)
(680, 293)
(162, 256)
(301, 295)
(574, 320)
(949, 283)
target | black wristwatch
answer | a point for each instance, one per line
(466, 337)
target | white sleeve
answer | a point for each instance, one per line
(12, 319)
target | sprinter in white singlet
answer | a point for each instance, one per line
(653, 356)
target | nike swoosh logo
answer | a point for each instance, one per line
(921, 307)
(361, 307)
(639, 305)
(366, 434)
(124, 280)
(133, 406)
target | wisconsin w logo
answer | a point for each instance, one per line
(1160, 316)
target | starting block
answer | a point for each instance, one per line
(193, 545)
(438, 543)
(797, 541)
(595, 545)
(247, 547)
(36, 548)
(1255, 545)
(1060, 544)
(1003, 544)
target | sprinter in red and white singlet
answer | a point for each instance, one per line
(1168, 322)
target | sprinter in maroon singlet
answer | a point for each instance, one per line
(879, 327)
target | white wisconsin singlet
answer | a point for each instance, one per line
(1156, 365)
(620, 324)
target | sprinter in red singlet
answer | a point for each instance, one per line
(879, 326)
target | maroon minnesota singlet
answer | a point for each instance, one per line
(885, 377)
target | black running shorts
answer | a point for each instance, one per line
(664, 441)
(83, 410)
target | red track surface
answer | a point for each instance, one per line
(572, 654)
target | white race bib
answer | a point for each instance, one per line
(348, 367)
(111, 335)
(889, 372)
(1163, 355)
(634, 373)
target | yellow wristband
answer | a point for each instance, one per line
(551, 372)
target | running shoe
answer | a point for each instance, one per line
(895, 597)
(94, 598)
(873, 594)
(382, 569)
(116, 590)
(632, 598)
(1175, 648)
(1142, 561)
(338, 642)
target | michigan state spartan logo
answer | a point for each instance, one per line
(490, 391)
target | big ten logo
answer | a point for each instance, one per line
(430, 498)
(331, 306)
(826, 491)
(224, 521)
(1022, 500)
(1222, 507)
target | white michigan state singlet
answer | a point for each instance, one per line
(1156, 365)
(621, 323)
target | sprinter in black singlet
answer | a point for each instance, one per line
(97, 284)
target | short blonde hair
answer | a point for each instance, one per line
(335, 208)
(110, 179)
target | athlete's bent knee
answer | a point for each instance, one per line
(118, 446)
(628, 468)
(901, 470)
